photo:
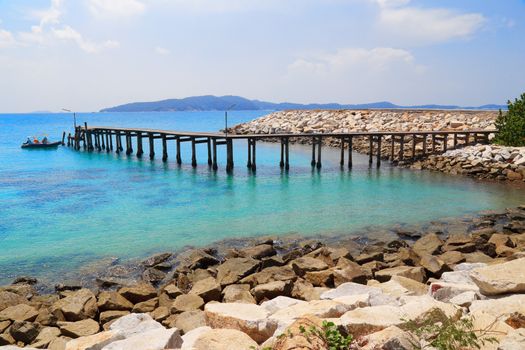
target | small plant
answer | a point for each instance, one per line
(511, 125)
(445, 333)
(328, 334)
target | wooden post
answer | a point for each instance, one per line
(107, 140)
(63, 138)
(210, 162)
(370, 149)
(445, 142)
(254, 154)
(111, 140)
(281, 163)
(117, 142)
(229, 155)
(320, 143)
(102, 136)
(314, 144)
(69, 140)
(378, 157)
(413, 146)
(433, 143)
(424, 144)
(342, 161)
(475, 138)
(97, 141)
(467, 136)
(164, 148)
(392, 148)
(287, 154)
(193, 153)
(401, 147)
(129, 145)
(151, 146)
(350, 140)
(215, 165)
(86, 143)
(455, 141)
(140, 151)
(249, 163)
(179, 158)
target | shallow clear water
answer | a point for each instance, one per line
(61, 209)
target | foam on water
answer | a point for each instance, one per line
(62, 209)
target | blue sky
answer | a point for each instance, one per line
(90, 54)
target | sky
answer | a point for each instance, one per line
(86, 55)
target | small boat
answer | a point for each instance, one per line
(41, 145)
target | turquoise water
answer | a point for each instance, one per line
(62, 209)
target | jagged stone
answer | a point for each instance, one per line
(238, 293)
(133, 324)
(113, 301)
(111, 315)
(156, 259)
(259, 251)
(233, 270)
(250, 319)
(415, 273)
(276, 273)
(208, 289)
(186, 302)
(190, 320)
(21, 312)
(138, 293)
(10, 299)
(271, 290)
(79, 328)
(24, 331)
(205, 338)
(94, 342)
(156, 339)
(502, 278)
(78, 305)
(146, 306)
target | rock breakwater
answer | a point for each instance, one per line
(250, 296)
(483, 161)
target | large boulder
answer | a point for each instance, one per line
(46, 336)
(21, 312)
(502, 278)
(24, 331)
(274, 273)
(190, 320)
(500, 307)
(79, 328)
(113, 301)
(156, 259)
(237, 293)
(296, 338)
(208, 289)
(135, 324)
(271, 290)
(94, 342)
(205, 338)
(10, 299)
(259, 251)
(199, 259)
(428, 244)
(390, 338)
(279, 303)
(319, 308)
(186, 302)
(363, 321)
(78, 305)
(307, 264)
(138, 293)
(415, 273)
(250, 319)
(156, 339)
(233, 270)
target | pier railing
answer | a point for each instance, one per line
(400, 144)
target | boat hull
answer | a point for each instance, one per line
(41, 145)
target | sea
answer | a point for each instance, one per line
(62, 209)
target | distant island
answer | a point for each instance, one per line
(237, 103)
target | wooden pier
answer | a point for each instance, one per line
(108, 139)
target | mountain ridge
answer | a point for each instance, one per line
(238, 103)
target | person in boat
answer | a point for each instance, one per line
(44, 140)
(35, 140)
(28, 141)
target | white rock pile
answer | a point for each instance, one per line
(483, 161)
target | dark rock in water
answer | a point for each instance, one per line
(259, 251)
(202, 259)
(153, 275)
(406, 234)
(138, 293)
(272, 261)
(396, 244)
(110, 282)
(368, 257)
(515, 226)
(71, 285)
(165, 266)
(25, 280)
(156, 259)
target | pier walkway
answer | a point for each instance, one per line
(107, 138)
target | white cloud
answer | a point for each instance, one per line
(116, 8)
(375, 60)
(161, 51)
(425, 25)
(6, 39)
(68, 33)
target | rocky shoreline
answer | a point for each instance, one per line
(503, 164)
(246, 298)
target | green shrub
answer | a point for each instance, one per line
(444, 333)
(511, 125)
